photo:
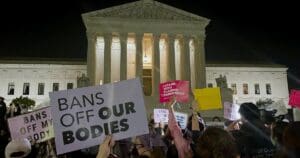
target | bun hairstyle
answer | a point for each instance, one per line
(18, 148)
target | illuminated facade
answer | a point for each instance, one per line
(145, 39)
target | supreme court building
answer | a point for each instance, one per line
(149, 40)
(145, 39)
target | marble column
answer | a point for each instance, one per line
(139, 56)
(155, 65)
(91, 57)
(185, 58)
(171, 57)
(123, 64)
(200, 67)
(107, 57)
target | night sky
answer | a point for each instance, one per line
(244, 31)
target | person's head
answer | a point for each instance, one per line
(267, 117)
(216, 119)
(1, 99)
(200, 121)
(18, 148)
(277, 130)
(215, 143)
(291, 139)
(249, 112)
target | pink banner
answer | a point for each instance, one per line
(295, 98)
(178, 88)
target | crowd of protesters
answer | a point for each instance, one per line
(250, 137)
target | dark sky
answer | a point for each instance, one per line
(239, 31)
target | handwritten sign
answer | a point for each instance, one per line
(295, 98)
(82, 117)
(162, 116)
(179, 89)
(208, 98)
(36, 126)
(231, 111)
(181, 118)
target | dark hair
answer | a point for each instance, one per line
(249, 111)
(172, 152)
(215, 143)
(291, 139)
(277, 131)
(216, 118)
(189, 124)
(267, 117)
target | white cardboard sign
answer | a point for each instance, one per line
(231, 111)
(83, 117)
(162, 115)
(36, 126)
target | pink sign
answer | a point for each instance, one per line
(178, 88)
(295, 98)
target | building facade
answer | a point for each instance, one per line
(35, 79)
(145, 39)
(149, 40)
(251, 82)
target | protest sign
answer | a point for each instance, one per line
(182, 119)
(208, 98)
(179, 89)
(36, 126)
(162, 116)
(295, 98)
(231, 111)
(83, 117)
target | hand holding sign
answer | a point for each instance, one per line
(171, 102)
(106, 147)
(233, 126)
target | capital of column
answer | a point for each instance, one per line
(139, 36)
(185, 38)
(91, 36)
(107, 37)
(156, 36)
(123, 36)
(171, 37)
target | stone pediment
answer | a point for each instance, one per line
(146, 10)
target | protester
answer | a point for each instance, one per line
(2, 113)
(215, 143)
(253, 138)
(291, 141)
(3, 127)
(277, 130)
(19, 148)
(182, 145)
(105, 148)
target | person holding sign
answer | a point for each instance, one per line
(105, 148)
(252, 128)
(183, 147)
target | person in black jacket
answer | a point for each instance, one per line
(2, 111)
(253, 138)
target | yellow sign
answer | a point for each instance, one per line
(208, 98)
